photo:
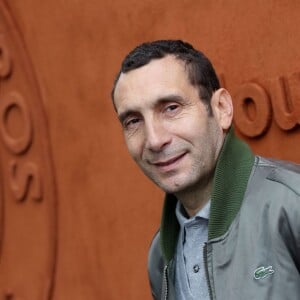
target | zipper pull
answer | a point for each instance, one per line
(206, 271)
(165, 285)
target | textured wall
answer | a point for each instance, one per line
(76, 215)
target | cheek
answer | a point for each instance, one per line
(134, 146)
(183, 126)
(193, 130)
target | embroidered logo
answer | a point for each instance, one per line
(263, 272)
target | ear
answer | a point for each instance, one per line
(221, 104)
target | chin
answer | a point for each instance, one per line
(172, 188)
(179, 185)
(172, 185)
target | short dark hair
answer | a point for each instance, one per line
(200, 70)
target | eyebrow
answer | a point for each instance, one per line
(158, 101)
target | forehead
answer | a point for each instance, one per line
(160, 76)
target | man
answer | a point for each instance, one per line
(231, 221)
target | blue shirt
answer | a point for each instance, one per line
(190, 278)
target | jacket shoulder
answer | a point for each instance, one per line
(284, 173)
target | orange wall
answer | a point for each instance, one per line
(81, 227)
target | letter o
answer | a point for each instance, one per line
(255, 122)
(20, 144)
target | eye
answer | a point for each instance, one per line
(131, 123)
(172, 107)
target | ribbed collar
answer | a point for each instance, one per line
(229, 185)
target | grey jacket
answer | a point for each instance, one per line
(253, 248)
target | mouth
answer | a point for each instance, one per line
(170, 163)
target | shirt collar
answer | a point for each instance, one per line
(202, 213)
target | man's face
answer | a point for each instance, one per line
(167, 128)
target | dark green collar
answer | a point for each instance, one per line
(229, 185)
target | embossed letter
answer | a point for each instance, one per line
(5, 60)
(20, 144)
(28, 175)
(252, 110)
(286, 101)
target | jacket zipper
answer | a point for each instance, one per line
(206, 271)
(165, 285)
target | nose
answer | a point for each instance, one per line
(156, 136)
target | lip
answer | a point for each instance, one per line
(169, 164)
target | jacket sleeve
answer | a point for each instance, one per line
(155, 267)
(288, 209)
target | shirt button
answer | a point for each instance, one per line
(196, 268)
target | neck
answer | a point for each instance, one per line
(195, 199)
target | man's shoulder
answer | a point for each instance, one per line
(279, 164)
(285, 173)
(155, 245)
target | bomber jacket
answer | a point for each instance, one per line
(253, 248)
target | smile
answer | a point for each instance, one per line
(169, 164)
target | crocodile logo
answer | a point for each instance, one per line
(262, 272)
